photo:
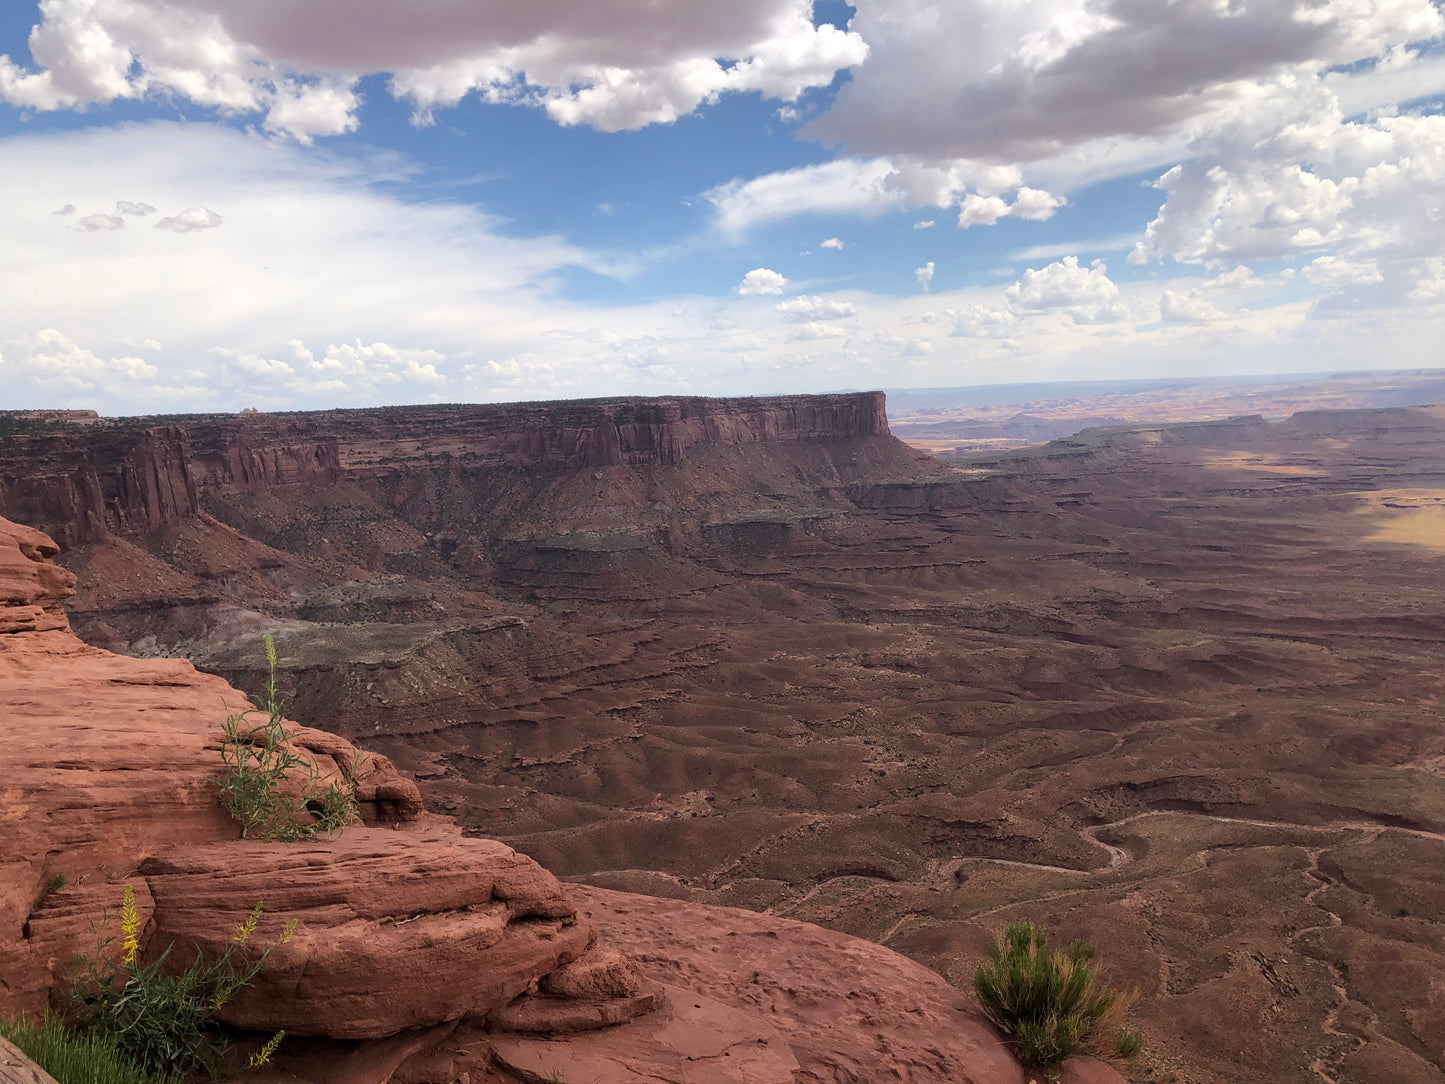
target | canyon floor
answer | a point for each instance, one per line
(1175, 689)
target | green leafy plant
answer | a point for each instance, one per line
(270, 790)
(162, 1020)
(78, 1057)
(1050, 1003)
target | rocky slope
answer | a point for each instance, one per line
(421, 954)
(1172, 688)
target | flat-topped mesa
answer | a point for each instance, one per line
(82, 482)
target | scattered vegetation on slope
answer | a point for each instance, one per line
(1050, 1003)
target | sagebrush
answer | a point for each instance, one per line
(270, 790)
(1050, 1003)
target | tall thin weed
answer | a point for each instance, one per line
(260, 788)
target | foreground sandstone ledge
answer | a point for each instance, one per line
(422, 955)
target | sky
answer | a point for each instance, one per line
(207, 205)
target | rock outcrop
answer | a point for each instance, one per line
(16, 1068)
(421, 955)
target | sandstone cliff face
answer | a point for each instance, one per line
(422, 955)
(83, 482)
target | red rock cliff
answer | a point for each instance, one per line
(83, 482)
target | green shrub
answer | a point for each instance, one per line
(1050, 1003)
(78, 1057)
(258, 787)
(163, 1021)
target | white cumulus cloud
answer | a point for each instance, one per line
(49, 358)
(1035, 204)
(978, 79)
(924, 275)
(874, 186)
(814, 330)
(843, 186)
(1086, 293)
(761, 280)
(1332, 272)
(979, 210)
(831, 242)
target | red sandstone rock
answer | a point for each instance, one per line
(396, 929)
(848, 1009)
(31, 584)
(16, 1068)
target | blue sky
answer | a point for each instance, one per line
(207, 207)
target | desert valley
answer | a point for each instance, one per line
(1173, 688)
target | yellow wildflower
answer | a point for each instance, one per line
(129, 925)
(247, 928)
(263, 1056)
(288, 931)
(218, 999)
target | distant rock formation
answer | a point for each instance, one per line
(86, 481)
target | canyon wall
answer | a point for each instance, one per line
(83, 480)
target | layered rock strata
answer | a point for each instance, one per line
(84, 483)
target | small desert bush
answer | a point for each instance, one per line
(1050, 1003)
(161, 1020)
(260, 788)
(78, 1057)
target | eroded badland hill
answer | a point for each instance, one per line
(1172, 688)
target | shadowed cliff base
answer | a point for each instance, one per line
(1173, 688)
